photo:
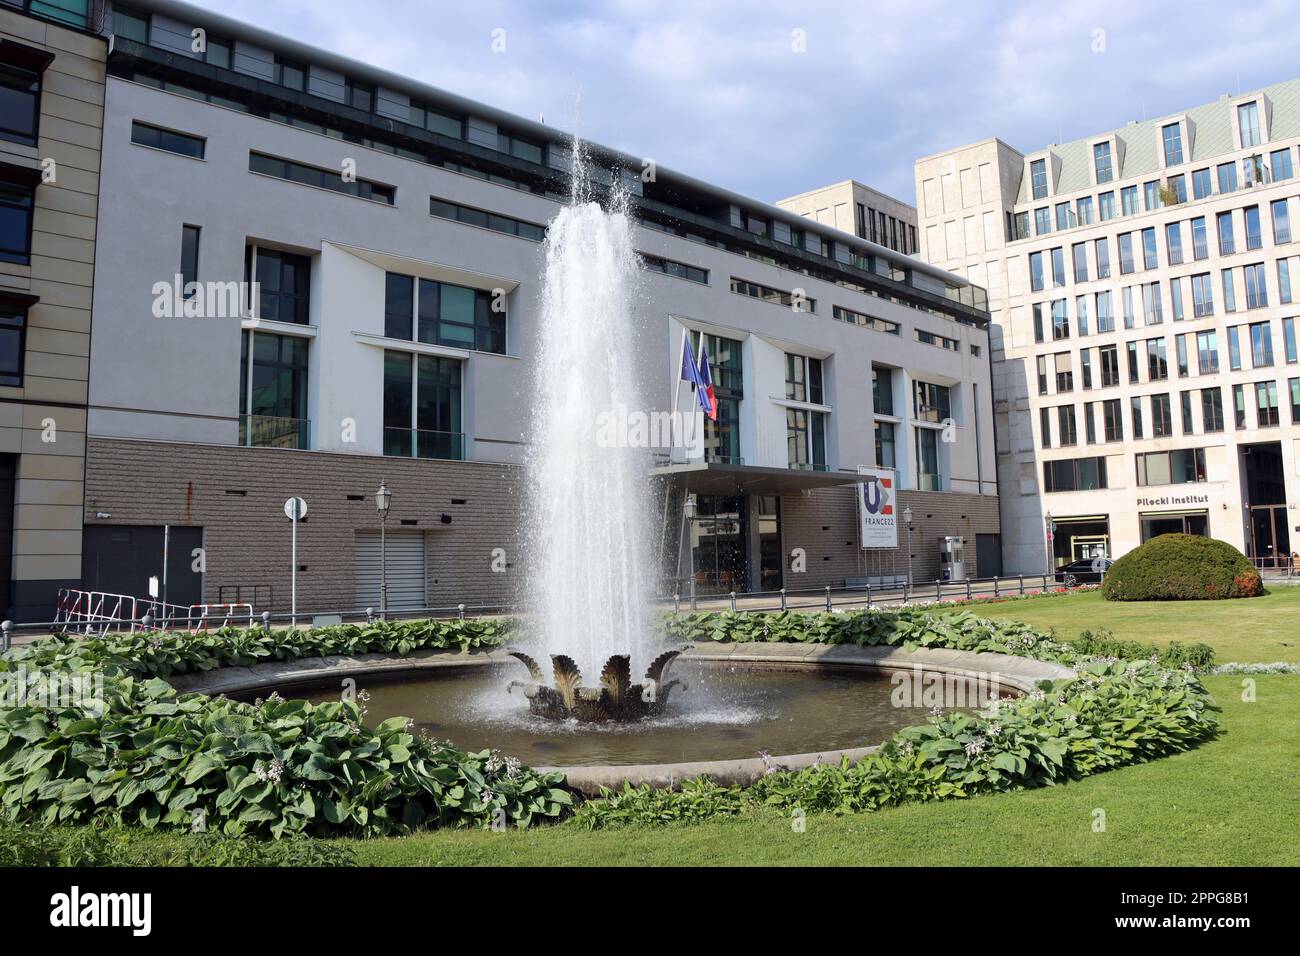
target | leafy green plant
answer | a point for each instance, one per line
(96, 846)
(1182, 567)
(1102, 643)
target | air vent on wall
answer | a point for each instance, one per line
(460, 501)
(410, 522)
(356, 497)
(236, 491)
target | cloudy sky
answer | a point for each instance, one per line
(772, 98)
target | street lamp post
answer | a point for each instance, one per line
(383, 498)
(689, 508)
(1049, 538)
(907, 517)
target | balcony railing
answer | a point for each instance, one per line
(421, 443)
(271, 431)
(926, 481)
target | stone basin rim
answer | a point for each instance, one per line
(1017, 673)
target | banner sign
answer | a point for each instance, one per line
(877, 511)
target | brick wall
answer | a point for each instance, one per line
(237, 496)
(824, 523)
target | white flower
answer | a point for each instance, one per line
(975, 746)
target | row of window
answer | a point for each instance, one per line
(1203, 346)
(1143, 304)
(1085, 267)
(885, 230)
(1152, 415)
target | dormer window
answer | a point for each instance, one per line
(1172, 135)
(1248, 124)
(1038, 178)
(1102, 163)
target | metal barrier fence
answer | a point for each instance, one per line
(94, 614)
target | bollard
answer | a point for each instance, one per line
(783, 599)
(370, 615)
(938, 591)
(968, 589)
(868, 597)
(828, 597)
(8, 629)
(1022, 585)
(460, 608)
(146, 622)
(677, 603)
(995, 587)
(733, 602)
(266, 621)
(904, 592)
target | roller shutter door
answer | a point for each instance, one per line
(406, 580)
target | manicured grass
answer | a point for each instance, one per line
(1245, 629)
(1230, 802)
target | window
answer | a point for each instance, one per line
(1256, 288)
(1105, 312)
(1280, 161)
(670, 267)
(1083, 209)
(285, 285)
(1103, 259)
(1066, 427)
(1176, 298)
(1161, 421)
(1042, 375)
(1149, 260)
(1212, 409)
(1074, 474)
(1090, 422)
(1060, 320)
(1281, 221)
(1253, 240)
(1239, 405)
(942, 341)
(1248, 124)
(1063, 215)
(521, 148)
(1157, 364)
(927, 460)
(1134, 376)
(13, 338)
(273, 394)
(1261, 345)
(1129, 317)
(1181, 467)
(440, 313)
(805, 433)
(129, 25)
(359, 95)
(1201, 186)
(1284, 281)
(1042, 221)
(16, 221)
(321, 178)
(1112, 420)
(1080, 252)
(189, 258)
(1174, 242)
(932, 403)
(1126, 264)
(1058, 266)
(1185, 410)
(436, 121)
(1227, 177)
(1173, 138)
(775, 296)
(1202, 295)
(1101, 163)
(886, 453)
(1081, 308)
(882, 390)
(1085, 367)
(1200, 249)
(1037, 279)
(1234, 348)
(1229, 292)
(142, 134)
(1135, 411)
(1266, 403)
(862, 320)
(441, 209)
(1151, 195)
(1227, 245)
(1106, 206)
(1109, 360)
(803, 379)
(1038, 178)
(722, 437)
(1180, 351)
(1207, 352)
(1289, 340)
(1064, 373)
(1037, 308)
(422, 406)
(20, 101)
(290, 74)
(1151, 304)
(1128, 200)
(1178, 187)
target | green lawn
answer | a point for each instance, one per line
(1230, 802)
(1248, 630)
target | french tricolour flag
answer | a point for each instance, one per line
(708, 400)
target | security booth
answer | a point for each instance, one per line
(952, 560)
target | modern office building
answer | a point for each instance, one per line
(395, 233)
(867, 213)
(52, 62)
(1144, 326)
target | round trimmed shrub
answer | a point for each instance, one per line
(1182, 567)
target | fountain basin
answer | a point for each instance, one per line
(1014, 674)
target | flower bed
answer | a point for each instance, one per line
(141, 754)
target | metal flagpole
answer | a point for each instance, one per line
(672, 428)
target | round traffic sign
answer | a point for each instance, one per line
(295, 509)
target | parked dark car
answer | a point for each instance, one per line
(1087, 571)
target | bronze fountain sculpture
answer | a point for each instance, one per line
(616, 699)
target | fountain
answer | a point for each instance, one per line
(588, 568)
(617, 698)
